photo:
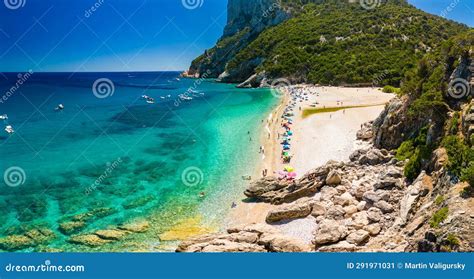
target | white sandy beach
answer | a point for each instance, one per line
(321, 137)
(317, 138)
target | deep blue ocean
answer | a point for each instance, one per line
(110, 158)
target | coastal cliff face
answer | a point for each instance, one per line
(245, 21)
(257, 15)
(335, 42)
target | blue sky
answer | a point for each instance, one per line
(127, 35)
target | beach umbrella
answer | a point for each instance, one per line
(289, 169)
(290, 133)
(292, 175)
(286, 147)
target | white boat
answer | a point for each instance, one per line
(4, 117)
(9, 129)
(145, 97)
(185, 98)
(150, 101)
(59, 107)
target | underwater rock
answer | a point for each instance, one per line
(138, 202)
(71, 227)
(111, 234)
(136, 227)
(91, 240)
(15, 242)
(28, 239)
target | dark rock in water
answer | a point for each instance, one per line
(138, 202)
(78, 222)
(139, 117)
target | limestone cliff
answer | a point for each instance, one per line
(245, 20)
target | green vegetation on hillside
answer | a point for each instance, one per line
(438, 217)
(337, 43)
(427, 84)
(427, 87)
(415, 150)
(390, 89)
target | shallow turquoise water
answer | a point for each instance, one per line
(147, 161)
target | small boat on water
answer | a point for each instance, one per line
(9, 129)
(148, 99)
(3, 117)
(183, 97)
(59, 107)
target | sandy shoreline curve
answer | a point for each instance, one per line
(317, 138)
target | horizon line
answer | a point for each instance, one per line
(93, 72)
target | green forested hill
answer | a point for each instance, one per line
(339, 43)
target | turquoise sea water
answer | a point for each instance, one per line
(110, 161)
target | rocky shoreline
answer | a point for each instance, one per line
(364, 204)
